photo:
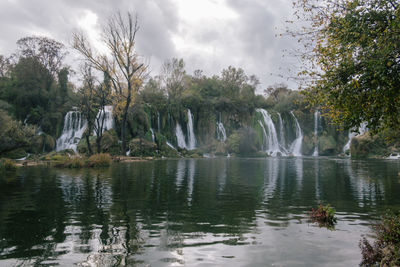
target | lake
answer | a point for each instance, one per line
(194, 212)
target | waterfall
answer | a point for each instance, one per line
(180, 137)
(170, 145)
(361, 130)
(107, 115)
(190, 131)
(152, 135)
(221, 133)
(281, 132)
(74, 126)
(265, 136)
(295, 148)
(272, 138)
(316, 121)
(158, 121)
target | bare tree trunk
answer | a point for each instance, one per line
(98, 144)
(124, 123)
(89, 147)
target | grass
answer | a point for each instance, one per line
(65, 161)
(99, 160)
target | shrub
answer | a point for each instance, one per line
(324, 215)
(76, 163)
(7, 165)
(99, 160)
(385, 251)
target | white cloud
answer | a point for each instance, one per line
(207, 34)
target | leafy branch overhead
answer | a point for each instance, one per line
(352, 56)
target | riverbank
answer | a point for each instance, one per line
(68, 159)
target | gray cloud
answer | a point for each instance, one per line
(246, 41)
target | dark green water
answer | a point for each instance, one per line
(206, 212)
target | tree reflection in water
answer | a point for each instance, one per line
(168, 211)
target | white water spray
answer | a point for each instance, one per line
(107, 115)
(221, 133)
(74, 126)
(281, 133)
(191, 137)
(152, 135)
(295, 148)
(272, 138)
(361, 130)
(180, 137)
(316, 124)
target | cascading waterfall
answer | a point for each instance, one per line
(191, 137)
(221, 133)
(265, 136)
(295, 148)
(361, 130)
(272, 145)
(180, 137)
(152, 135)
(316, 124)
(74, 126)
(281, 133)
(170, 145)
(107, 115)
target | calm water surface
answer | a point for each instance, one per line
(205, 212)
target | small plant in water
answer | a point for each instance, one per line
(324, 215)
(385, 251)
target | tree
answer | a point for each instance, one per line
(354, 60)
(173, 75)
(121, 63)
(4, 66)
(93, 99)
(86, 102)
(49, 52)
(63, 83)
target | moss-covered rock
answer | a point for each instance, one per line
(15, 153)
(308, 145)
(327, 145)
(141, 147)
(109, 144)
(167, 151)
(368, 145)
(42, 143)
(244, 141)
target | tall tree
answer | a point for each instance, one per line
(121, 63)
(353, 60)
(173, 75)
(94, 96)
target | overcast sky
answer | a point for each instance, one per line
(208, 34)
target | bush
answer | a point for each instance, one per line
(324, 215)
(7, 165)
(100, 160)
(76, 163)
(385, 251)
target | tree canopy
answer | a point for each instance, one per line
(354, 60)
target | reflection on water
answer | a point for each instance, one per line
(206, 212)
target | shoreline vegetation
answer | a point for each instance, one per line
(63, 159)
